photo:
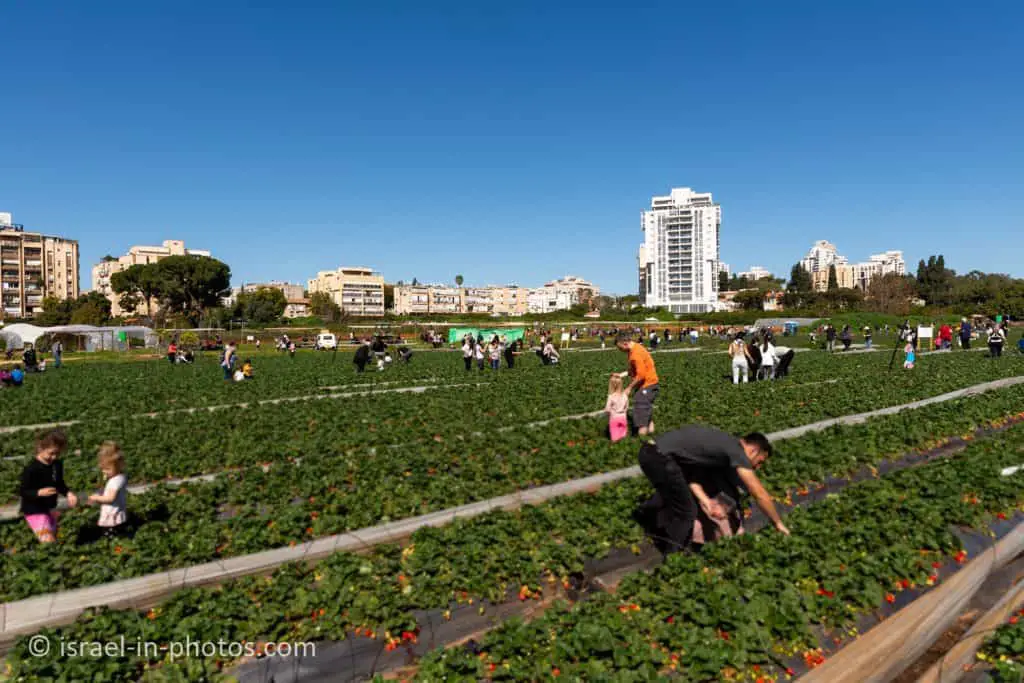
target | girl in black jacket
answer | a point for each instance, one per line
(41, 481)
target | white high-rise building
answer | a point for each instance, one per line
(678, 260)
(822, 255)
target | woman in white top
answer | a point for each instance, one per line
(741, 359)
(768, 359)
(467, 353)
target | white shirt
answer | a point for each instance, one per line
(116, 512)
(768, 355)
(467, 351)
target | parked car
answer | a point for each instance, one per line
(325, 341)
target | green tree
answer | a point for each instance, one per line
(191, 284)
(55, 312)
(136, 284)
(723, 281)
(799, 279)
(389, 297)
(833, 281)
(750, 299)
(458, 280)
(265, 305)
(890, 294)
(323, 307)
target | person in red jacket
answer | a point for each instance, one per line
(946, 335)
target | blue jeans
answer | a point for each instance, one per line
(495, 364)
(227, 371)
(867, 343)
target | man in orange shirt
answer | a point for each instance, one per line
(645, 382)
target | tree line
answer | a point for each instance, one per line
(933, 285)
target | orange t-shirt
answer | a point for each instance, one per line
(641, 366)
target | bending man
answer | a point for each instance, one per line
(677, 461)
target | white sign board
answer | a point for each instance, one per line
(565, 336)
(924, 332)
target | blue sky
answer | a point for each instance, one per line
(513, 142)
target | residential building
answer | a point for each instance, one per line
(679, 259)
(844, 278)
(357, 290)
(290, 291)
(433, 299)
(137, 255)
(755, 273)
(561, 295)
(823, 255)
(297, 308)
(34, 266)
(724, 268)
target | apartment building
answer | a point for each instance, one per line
(34, 266)
(438, 299)
(137, 255)
(823, 255)
(561, 295)
(357, 290)
(432, 299)
(755, 273)
(679, 258)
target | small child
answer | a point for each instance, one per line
(617, 408)
(41, 481)
(909, 362)
(114, 499)
(247, 368)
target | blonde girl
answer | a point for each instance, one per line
(113, 501)
(617, 407)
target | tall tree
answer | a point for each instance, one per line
(389, 297)
(458, 280)
(323, 307)
(891, 294)
(265, 305)
(723, 281)
(137, 284)
(799, 279)
(191, 284)
(833, 281)
(750, 299)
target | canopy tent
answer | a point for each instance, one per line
(93, 338)
(511, 334)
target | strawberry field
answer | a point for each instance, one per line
(346, 462)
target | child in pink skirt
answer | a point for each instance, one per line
(41, 481)
(617, 408)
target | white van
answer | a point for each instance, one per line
(325, 341)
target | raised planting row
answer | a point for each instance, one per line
(1003, 651)
(103, 389)
(445, 419)
(730, 610)
(253, 510)
(748, 605)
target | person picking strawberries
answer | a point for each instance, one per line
(681, 464)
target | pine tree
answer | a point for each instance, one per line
(833, 280)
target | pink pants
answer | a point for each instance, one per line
(44, 525)
(618, 427)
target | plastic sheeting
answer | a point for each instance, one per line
(95, 338)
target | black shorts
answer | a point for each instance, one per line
(643, 405)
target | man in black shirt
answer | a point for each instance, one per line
(362, 357)
(682, 463)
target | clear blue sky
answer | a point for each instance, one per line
(513, 141)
